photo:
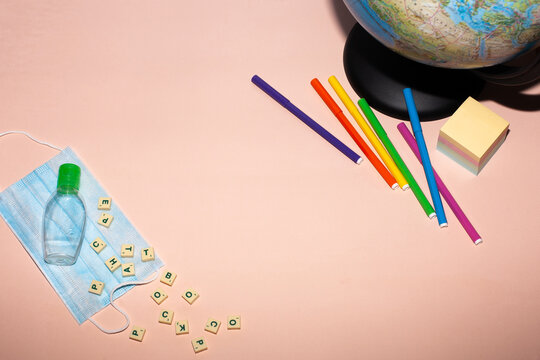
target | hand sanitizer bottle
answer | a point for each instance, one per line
(64, 219)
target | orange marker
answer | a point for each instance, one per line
(334, 107)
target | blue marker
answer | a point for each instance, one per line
(428, 170)
(283, 101)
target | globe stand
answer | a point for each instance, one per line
(380, 75)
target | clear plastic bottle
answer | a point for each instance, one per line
(64, 219)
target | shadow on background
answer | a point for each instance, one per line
(344, 18)
(509, 96)
(523, 71)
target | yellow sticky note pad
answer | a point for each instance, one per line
(472, 135)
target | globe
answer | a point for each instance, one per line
(457, 34)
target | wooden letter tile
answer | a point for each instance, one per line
(137, 333)
(96, 287)
(98, 245)
(128, 269)
(147, 254)
(105, 220)
(168, 278)
(166, 317)
(212, 325)
(104, 203)
(199, 344)
(190, 296)
(127, 250)
(113, 263)
(233, 322)
(181, 327)
(159, 296)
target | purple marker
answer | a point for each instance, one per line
(460, 215)
(283, 101)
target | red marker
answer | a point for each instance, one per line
(336, 110)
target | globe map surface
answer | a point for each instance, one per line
(452, 33)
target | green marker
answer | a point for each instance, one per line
(397, 159)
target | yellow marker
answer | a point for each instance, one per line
(385, 157)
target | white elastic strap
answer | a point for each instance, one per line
(31, 138)
(124, 327)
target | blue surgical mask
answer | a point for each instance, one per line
(22, 206)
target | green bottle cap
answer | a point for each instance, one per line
(69, 176)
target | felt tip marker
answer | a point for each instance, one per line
(381, 133)
(283, 101)
(452, 203)
(379, 148)
(424, 155)
(338, 113)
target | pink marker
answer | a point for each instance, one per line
(460, 215)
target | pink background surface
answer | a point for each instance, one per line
(249, 206)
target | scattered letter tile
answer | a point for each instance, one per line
(159, 296)
(127, 250)
(168, 278)
(98, 245)
(166, 317)
(105, 220)
(147, 254)
(137, 333)
(113, 263)
(190, 296)
(199, 344)
(212, 325)
(181, 327)
(233, 322)
(104, 203)
(96, 287)
(128, 269)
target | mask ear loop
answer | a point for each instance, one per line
(126, 324)
(31, 138)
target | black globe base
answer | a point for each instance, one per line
(379, 75)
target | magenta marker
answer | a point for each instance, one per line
(460, 215)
